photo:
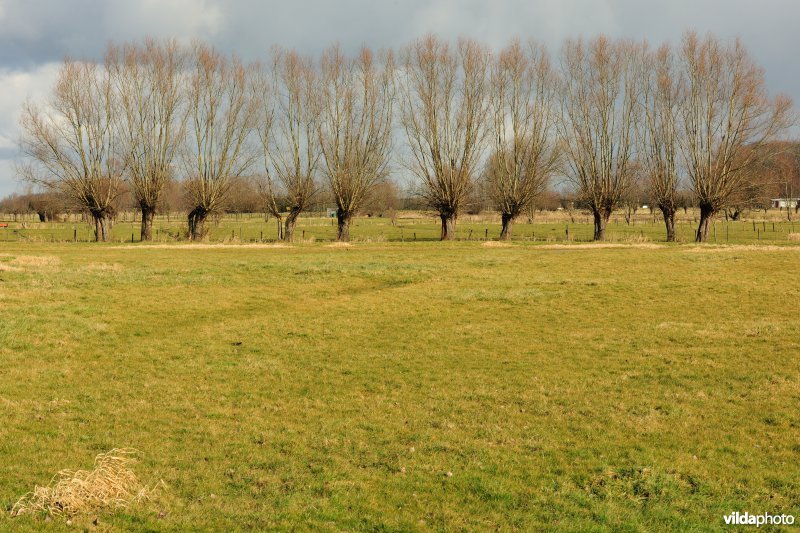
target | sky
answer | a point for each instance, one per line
(36, 35)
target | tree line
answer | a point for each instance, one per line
(605, 116)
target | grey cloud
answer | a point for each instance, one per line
(33, 32)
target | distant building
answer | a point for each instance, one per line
(783, 203)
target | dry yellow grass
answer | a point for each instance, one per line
(27, 262)
(794, 236)
(199, 246)
(495, 244)
(111, 484)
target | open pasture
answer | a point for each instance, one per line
(406, 386)
(771, 227)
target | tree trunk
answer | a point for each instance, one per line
(669, 222)
(448, 226)
(706, 215)
(279, 220)
(101, 227)
(343, 229)
(291, 222)
(508, 224)
(148, 214)
(600, 222)
(197, 223)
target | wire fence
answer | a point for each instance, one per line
(253, 227)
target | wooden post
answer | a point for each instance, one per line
(486, 235)
(74, 235)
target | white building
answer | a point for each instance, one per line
(783, 203)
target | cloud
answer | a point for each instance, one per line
(37, 34)
(18, 87)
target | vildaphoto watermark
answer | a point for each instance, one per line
(747, 519)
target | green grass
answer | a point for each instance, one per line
(760, 227)
(407, 386)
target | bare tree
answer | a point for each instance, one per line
(222, 113)
(355, 128)
(152, 118)
(599, 116)
(727, 118)
(443, 109)
(290, 139)
(523, 113)
(70, 143)
(659, 129)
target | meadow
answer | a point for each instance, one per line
(401, 385)
(759, 227)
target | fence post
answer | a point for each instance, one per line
(486, 234)
(74, 235)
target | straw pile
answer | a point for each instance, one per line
(110, 484)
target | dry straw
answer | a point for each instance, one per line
(111, 484)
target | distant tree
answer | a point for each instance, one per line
(599, 116)
(384, 199)
(222, 114)
(152, 118)
(523, 112)
(779, 172)
(244, 196)
(16, 205)
(632, 199)
(443, 99)
(728, 118)
(355, 128)
(47, 205)
(70, 144)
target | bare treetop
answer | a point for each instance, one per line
(443, 110)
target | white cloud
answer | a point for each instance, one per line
(183, 19)
(19, 86)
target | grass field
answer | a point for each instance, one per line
(759, 227)
(407, 386)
